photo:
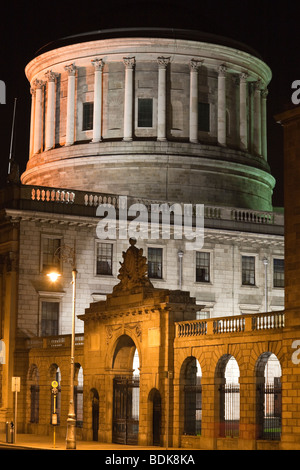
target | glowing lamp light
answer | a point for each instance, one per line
(53, 276)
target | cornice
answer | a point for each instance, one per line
(143, 48)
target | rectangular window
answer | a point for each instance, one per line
(87, 116)
(104, 259)
(49, 319)
(202, 315)
(278, 273)
(155, 263)
(50, 257)
(203, 117)
(145, 112)
(248, 270)
(202, 267)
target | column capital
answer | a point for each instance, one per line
(51, 76)
(257, 86)
(129, 62)
(222, 69)
(163, 62)
(71, 69)
(98, 64)
(243, 77)
(195, 65)
(38, 84)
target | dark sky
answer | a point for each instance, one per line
(270, 27)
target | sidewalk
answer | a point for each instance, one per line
(33, 441)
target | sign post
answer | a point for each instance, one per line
(16, 387)
(54, 385)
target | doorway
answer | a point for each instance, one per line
(125, 410)
(95, 414)
(156, 418)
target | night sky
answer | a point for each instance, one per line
(271, 27)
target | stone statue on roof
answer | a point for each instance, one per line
(133, 272)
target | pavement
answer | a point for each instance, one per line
(38, 442)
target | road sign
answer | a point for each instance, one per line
(15, 384)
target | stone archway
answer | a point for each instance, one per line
(155, 412)
(268, 397)
(125, 416)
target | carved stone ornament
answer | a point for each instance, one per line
(71, 69)
(129, 62)
(51, 76)
(38, 83)
(98, 64)
(133, 272)
(222, 70)
(163, 62)
(195, 65)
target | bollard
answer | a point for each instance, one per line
(12, 432)
(6, 431)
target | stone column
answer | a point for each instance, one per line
(257, 118)
(50, 114)
(222, 105)
(243, 111)
(264, 146)
(97, 124)
(162, 98)
(194, 69)
(32, 91)
(70, 127)
(38, 116)
(129, 63)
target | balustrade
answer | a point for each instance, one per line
(238, 324)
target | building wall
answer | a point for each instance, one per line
(224, 295)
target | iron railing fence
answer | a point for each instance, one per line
(269, 411)
(192, 410)
(229, 410)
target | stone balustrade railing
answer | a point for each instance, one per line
(235, 324)
(81, 198)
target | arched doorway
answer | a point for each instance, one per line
(191, 396)
(126, 385)
(95, 413)
(155, 401)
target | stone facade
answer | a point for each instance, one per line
(203, 304)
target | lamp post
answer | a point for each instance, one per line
(68, 254)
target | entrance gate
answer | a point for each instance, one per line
(125, 410)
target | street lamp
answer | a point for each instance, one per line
(68, 254)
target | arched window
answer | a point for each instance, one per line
(227, 380)
(78, 396)
(34, 394)
(268, 403)
(192, 397)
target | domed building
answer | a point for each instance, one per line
(183, 114)
(152, 117)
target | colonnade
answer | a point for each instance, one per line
(252, 107)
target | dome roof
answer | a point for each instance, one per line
(170, 33)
